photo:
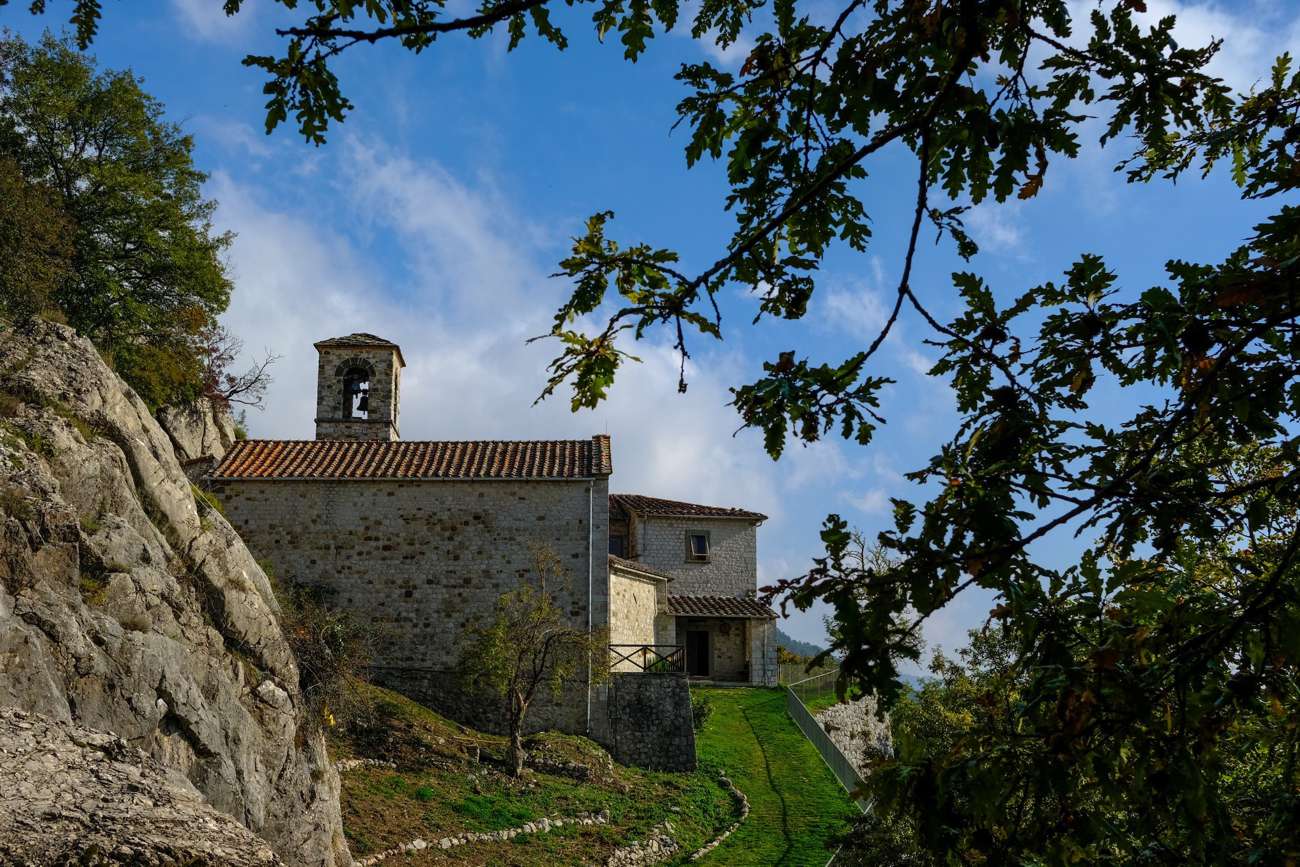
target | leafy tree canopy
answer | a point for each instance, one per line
(35, 244)
(145, 277)
(1177, 634)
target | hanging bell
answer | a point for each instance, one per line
(363, 405)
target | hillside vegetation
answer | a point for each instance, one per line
(409, 774)
(445, 780)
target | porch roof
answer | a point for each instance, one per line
(718, 606)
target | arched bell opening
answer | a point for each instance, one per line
(356, 393)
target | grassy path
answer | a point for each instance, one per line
(796, 805)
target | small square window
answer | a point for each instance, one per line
(697, 547)
(618, 545)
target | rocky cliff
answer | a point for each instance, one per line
(128, 604)
(201, 434)
(72, 795)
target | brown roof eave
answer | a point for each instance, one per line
(216, 478)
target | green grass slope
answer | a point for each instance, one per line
(448, 781)
(796, 804)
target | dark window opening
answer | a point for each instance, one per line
(356, 394)
(697, 546)
(618, 545)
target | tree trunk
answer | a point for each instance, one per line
(515, 752)
(515, 755)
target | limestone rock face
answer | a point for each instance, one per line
(201, 433)
(72, 795)
(854, 728)
(129, 605)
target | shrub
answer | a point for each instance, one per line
(206, 501)
(13, 501)
(332, 649)
(531, 646)
(93, 587)
(701, 710)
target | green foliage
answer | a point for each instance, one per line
(207, 501)
(33, 441)
(93, 587)
(701, 710)
(332, 649)
(796, 649)
(35, 245)
(14, 503)
(96, 161)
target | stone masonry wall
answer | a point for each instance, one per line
(732, 569)
(763, 667)
(634, 603)
(419, 561)
(650, 721)
(381, 422)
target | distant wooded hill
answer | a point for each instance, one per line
(794, 645)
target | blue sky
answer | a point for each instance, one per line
(438, 209)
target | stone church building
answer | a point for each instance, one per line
(419, 537)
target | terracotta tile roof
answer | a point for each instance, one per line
(717, 606)
(656, 508)
(332, 459)
(633, 565)
(361, 340)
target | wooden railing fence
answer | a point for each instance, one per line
(653, 658)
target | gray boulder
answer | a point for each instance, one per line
(72, 795)
(129, 605)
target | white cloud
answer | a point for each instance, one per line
(821, 463)
(917, 362)
(236, 137)
(859, 310)
(205, 20)
(874, 501)
(732, 54)
(995, 227)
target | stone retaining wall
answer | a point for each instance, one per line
(650, 721)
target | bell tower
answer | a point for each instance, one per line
(357, 381)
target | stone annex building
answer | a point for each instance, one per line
(419, 538)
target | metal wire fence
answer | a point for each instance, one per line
(796, 706)
(793, 672)
(816, 692)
